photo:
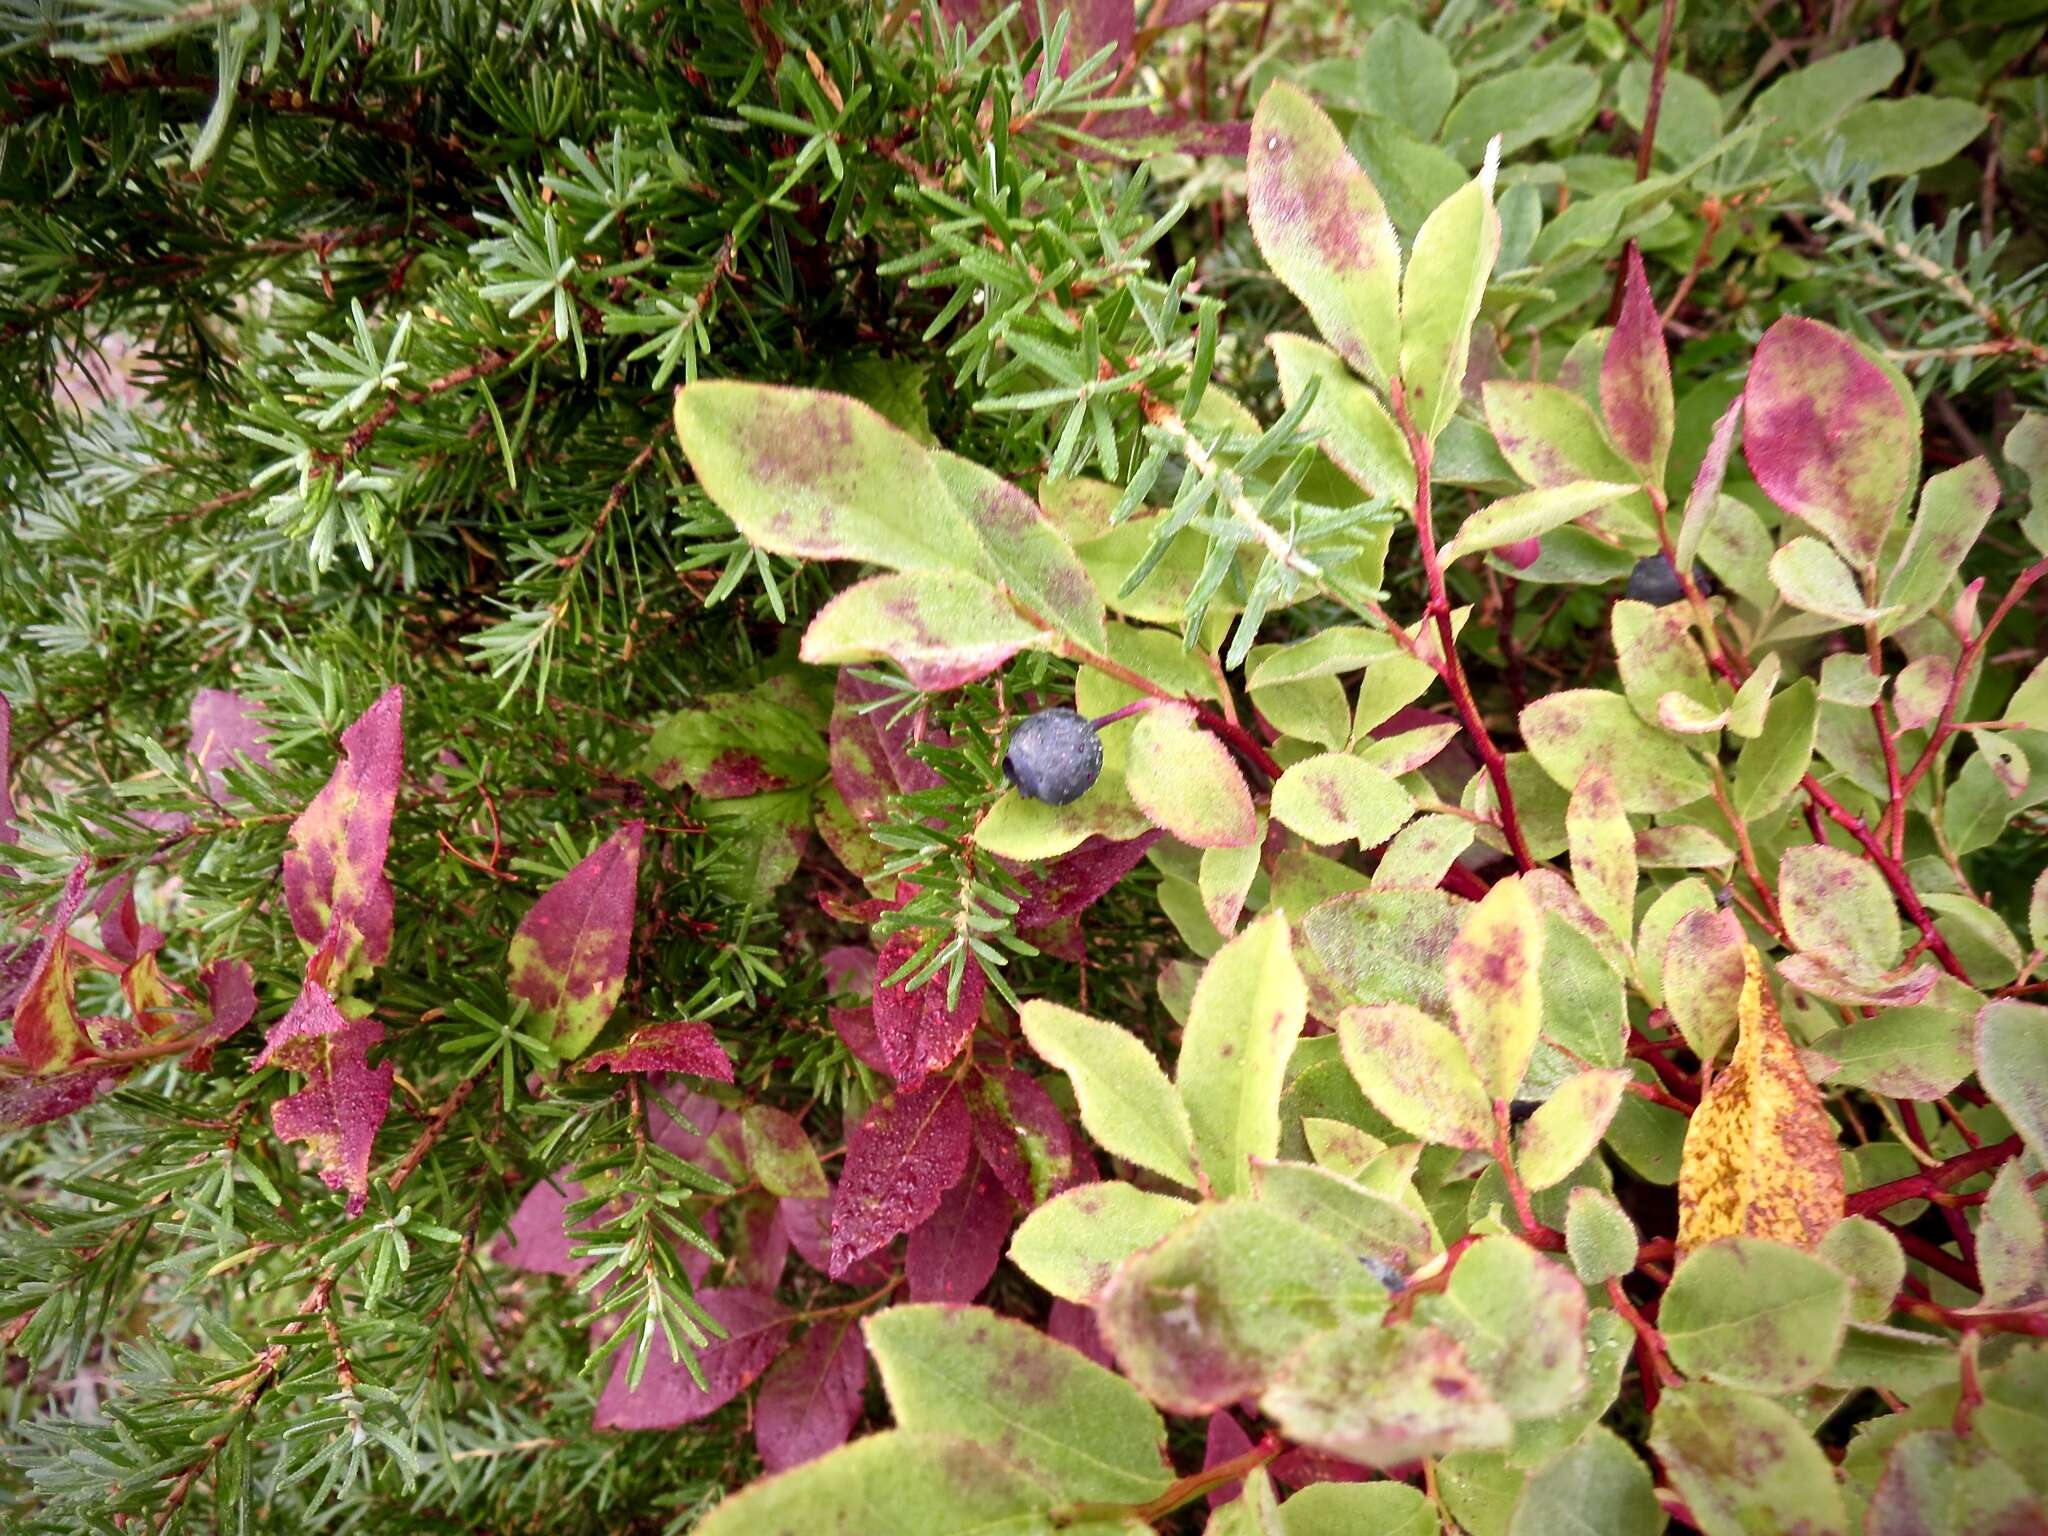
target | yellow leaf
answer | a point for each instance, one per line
(1761, 1159)
(1491, 974)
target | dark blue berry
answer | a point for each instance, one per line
(1653, 581)
(1053, 756)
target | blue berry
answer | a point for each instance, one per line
(1053, 756)
(1653, 581)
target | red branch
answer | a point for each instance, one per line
(1930, 1182)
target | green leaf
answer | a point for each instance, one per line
(1871, 1260)
(1493, 975)
(1552, 436)
(1331, 652)
(1568, 1126)
(1248, 1011)
(1381, 1396)
(1346, 416)
(1744, 1465)
(1603, 851)
(1522, 1321)
(1226, 879)
(1184, 779)
(1812, 577)
(1408, 75)
(1125, 1100)
(1599, 1236)
(1368, 1224)
(821, 476)
(1387, 946)
(1954, 507)
(892, 1484)
(1336, 798)
(1323, 230)
(1529, 515)
(1417, 1074)
(1027, 550)
(1522, 106)
(1802, 103)
(1938, 1483)
(1205, 1317)
(1703, 977)
(1748, 1312)
(1828, 436)
(1453, 257)
(1072, 1244)
(1657, 656)
(2012, 1244)
(1920, 1052)
(1897, 138)
(941, 627)
(1254, 1512)
(1836, 905)
(1597, 1488)
(780, 1155)
(2012, 1064)
(1771, 765)
(1081, 1431)
(1652, 770)
(1347, 1509)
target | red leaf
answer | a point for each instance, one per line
(1074, 1326)
(8, 833)
(538, 1237)
(951, 1255)
(1635, 375)
(906, 1154)
(756, 1328)
(123, 934)
(856, 1026)
(1076, 881)
(568, 959)
(47, 1033)
(225, 726)
(339, 1111)
(871, 758)
(1019, 1129)
(231, 1003)
(1226, 1439)
(1303, 1466)
(918, 1032)
(35, 1100)
(812, 1397)
(759, 1243)
(334, 869)
(684, 1046)
(809, 1225)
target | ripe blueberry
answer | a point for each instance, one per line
(1053, 756)
(1653, 581)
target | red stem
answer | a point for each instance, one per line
(1930, 1182)
(1440, 610)
(1944, 727)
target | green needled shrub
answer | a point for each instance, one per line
(915, 769)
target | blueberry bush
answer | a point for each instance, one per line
(938, 768)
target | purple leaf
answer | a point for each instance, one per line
(756, 1328)
(1635, 376)
(339, 1111)
(225, 726)
(231, 1004)
(900, 1162)
(123, 934)
(760, 1243)
(919, 1033)
(538, 1238)
(1017, 1127)
(871, 758)
(47, 1033)
(1828, 435)
(809, 1224)
(8, 833)
(1226, 1439)
(334, 880)
(684, 1046)
(1074, 1325)
(1075, 881)
(951, 1256)
(856, 1026)
(568, 958)
(813, 1396)
(36, 1100)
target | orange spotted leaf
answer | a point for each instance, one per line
(1761, 1158)
(334, 881)
(568, 959)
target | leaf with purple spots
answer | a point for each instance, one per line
(733, 745)
(1418, 1074)
(942, 628)
(755, 1328)
(1324, 230)
(1384, 1396)
(1704, 500)
(870, 749)
(954, 1252)
(1248, 1011)
(1023, 1137)
(1492, 973)
(568, 958)
(334, 882)
(813, 1394)
(1837, 906)
(780, 1154)
(920, 1029)
(1186, 781)
(1027, 550)
(340, 1110)
(47, 1031)
(683, 1046)
(1521, 1318)
(822, 477)
(1954, 507)
(226, 730)
(1829, 436)
(906, 1153)
(1702, 978)
(1635, 376)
